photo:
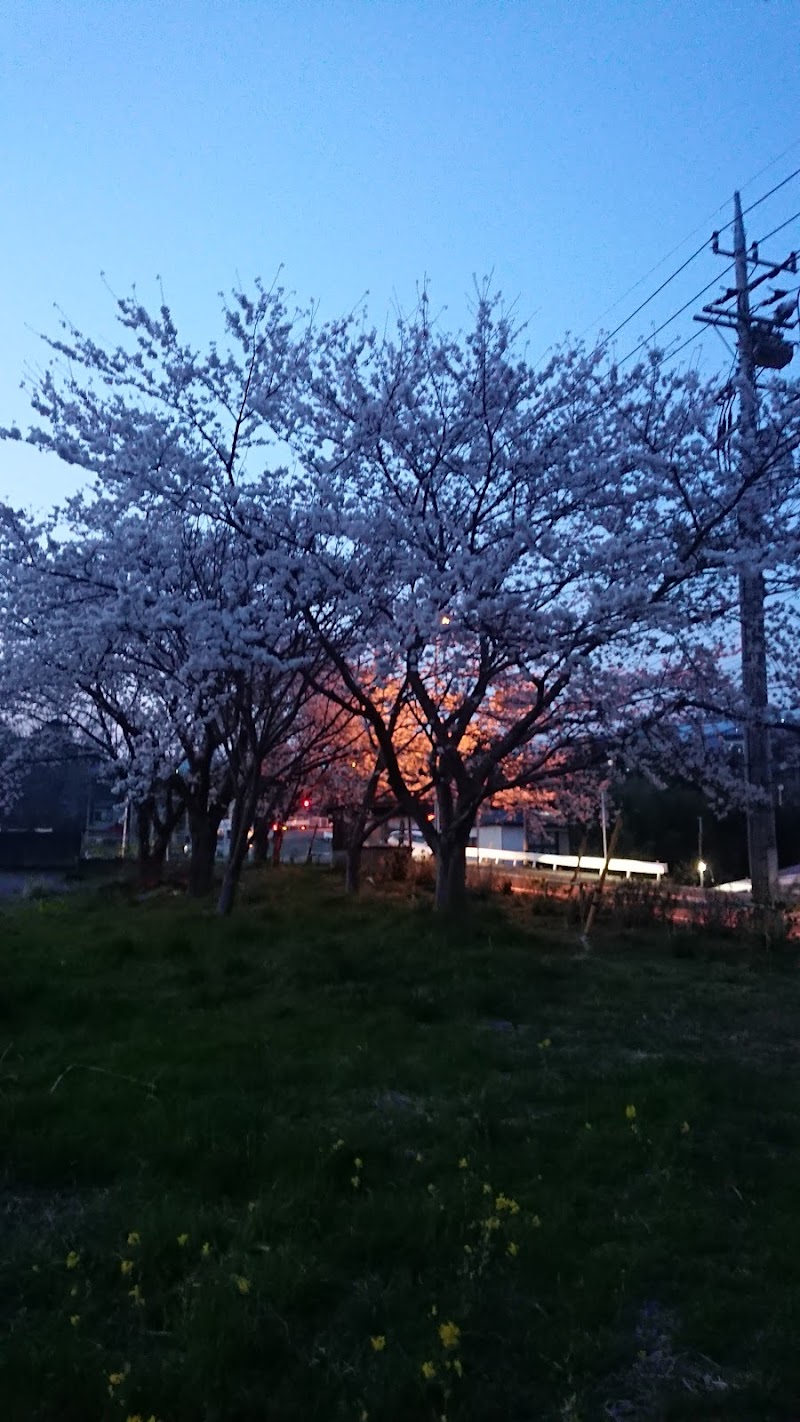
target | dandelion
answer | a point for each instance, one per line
(378, 1342)
(512, 1249)
(136, 1294)
(125, 1266)
(74, 1319)
(449, 1334)
(115, 1379)
(428, 1370)
(242, 1284)
(72, 1260)
(358, 1163)
(504, 1203)
(133, 1238)
(205, 1250)
(685, 1128)
(544, 1044)
(463, 1164)
(355, 1181)
(630, 1112)
(183, 1239)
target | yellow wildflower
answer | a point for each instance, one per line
(457, 1368)
(134, 1417)
(630, 1112)
(685, 1128)
(242, 1284)
(133, 1237)
(206, 1250)
(183, 1239)
(428, 1370)
(487, 1189)
(72, 1260)
(337, 1145)
(492, 1223)
(434, 1310)
(125, 1266)
(116, 1378)
(378, 1342)
(512, 1249)
(74, 1319)
(463, 1164)
(355, 1181)
(504, 1203)
(358, 1163)
(449, 1334)
(545, 1043)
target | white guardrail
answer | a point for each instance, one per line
(585, 863)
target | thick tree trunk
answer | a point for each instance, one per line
(261, 830)
(277, 841)
(352, 868)
(240, 841)
(203, 826)
(451, 875)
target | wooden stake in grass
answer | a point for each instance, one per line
(594, 902)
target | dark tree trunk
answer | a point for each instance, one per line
(203, 827)
(352, 867)
(451, 875)
(277, 841)
(261, 829)
(242, 819)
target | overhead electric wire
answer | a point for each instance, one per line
(706, 288)
(688, 238)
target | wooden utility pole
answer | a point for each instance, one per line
(759, 341)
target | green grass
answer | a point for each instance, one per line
(166, 1074)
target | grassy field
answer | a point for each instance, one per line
(334, 1160)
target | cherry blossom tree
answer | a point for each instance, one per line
(510, 546)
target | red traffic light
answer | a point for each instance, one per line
(306, 804)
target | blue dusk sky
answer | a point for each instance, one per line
(571, 148)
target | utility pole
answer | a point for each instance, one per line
(760, 342)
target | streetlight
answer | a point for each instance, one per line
(701, 869)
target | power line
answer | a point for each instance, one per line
(700, 227)
(704, 289)
(759, 201)
(692, 299)
(701, 248)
